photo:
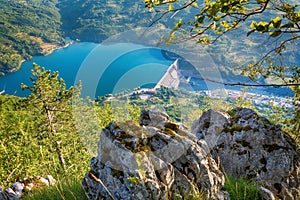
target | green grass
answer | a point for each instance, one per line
(241, 189)
(64, 189)
(195, 195)
(70, 189)
(192, 195)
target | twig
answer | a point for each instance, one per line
(13, 171)
(252, 85)
(99, 181)
(60, 155)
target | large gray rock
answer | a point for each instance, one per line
(156, 159)
(209, 126)
(250, 146)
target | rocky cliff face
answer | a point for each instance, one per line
(248, 145)
(158, 159)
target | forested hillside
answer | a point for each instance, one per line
(97, 20)
(27, 28)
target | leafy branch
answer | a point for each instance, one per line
(213, 19)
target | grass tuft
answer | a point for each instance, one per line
(241, 189)
(64, 189)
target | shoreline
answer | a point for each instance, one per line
(16, 68)
(45, 52)
(48, 51)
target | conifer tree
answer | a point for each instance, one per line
(52, 101)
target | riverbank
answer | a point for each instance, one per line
(16, 68)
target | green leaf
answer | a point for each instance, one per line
(297, 17)
(204, 40)
(195, 4)
(253, 25)
(201, 19)
(276, 22)
(262, 27)
(224, 9)
(170, 7)
(178, 24)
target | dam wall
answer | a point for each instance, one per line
(171, 78)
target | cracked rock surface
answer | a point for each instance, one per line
(250, 146)
(156, 159)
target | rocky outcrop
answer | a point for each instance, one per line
(248, 145)
(156, 159)
(17, 189)
(209, 126)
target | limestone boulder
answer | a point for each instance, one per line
(209, 126)
(155, 159)
(251, 146)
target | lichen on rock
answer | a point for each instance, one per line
(259, 150)
(162, 160)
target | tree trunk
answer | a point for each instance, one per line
(60, 155)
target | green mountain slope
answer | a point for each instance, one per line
(27, 28)
(96, 20)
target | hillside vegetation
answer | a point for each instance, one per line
(97, 20)
(27, 28)
(41, 134)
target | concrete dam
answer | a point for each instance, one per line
(171, 78)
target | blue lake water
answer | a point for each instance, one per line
(103, 69)
(107, 69)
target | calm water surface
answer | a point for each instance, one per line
(102, 69)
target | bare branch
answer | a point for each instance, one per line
(170, 11)
(251, 85)
(276, 49)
